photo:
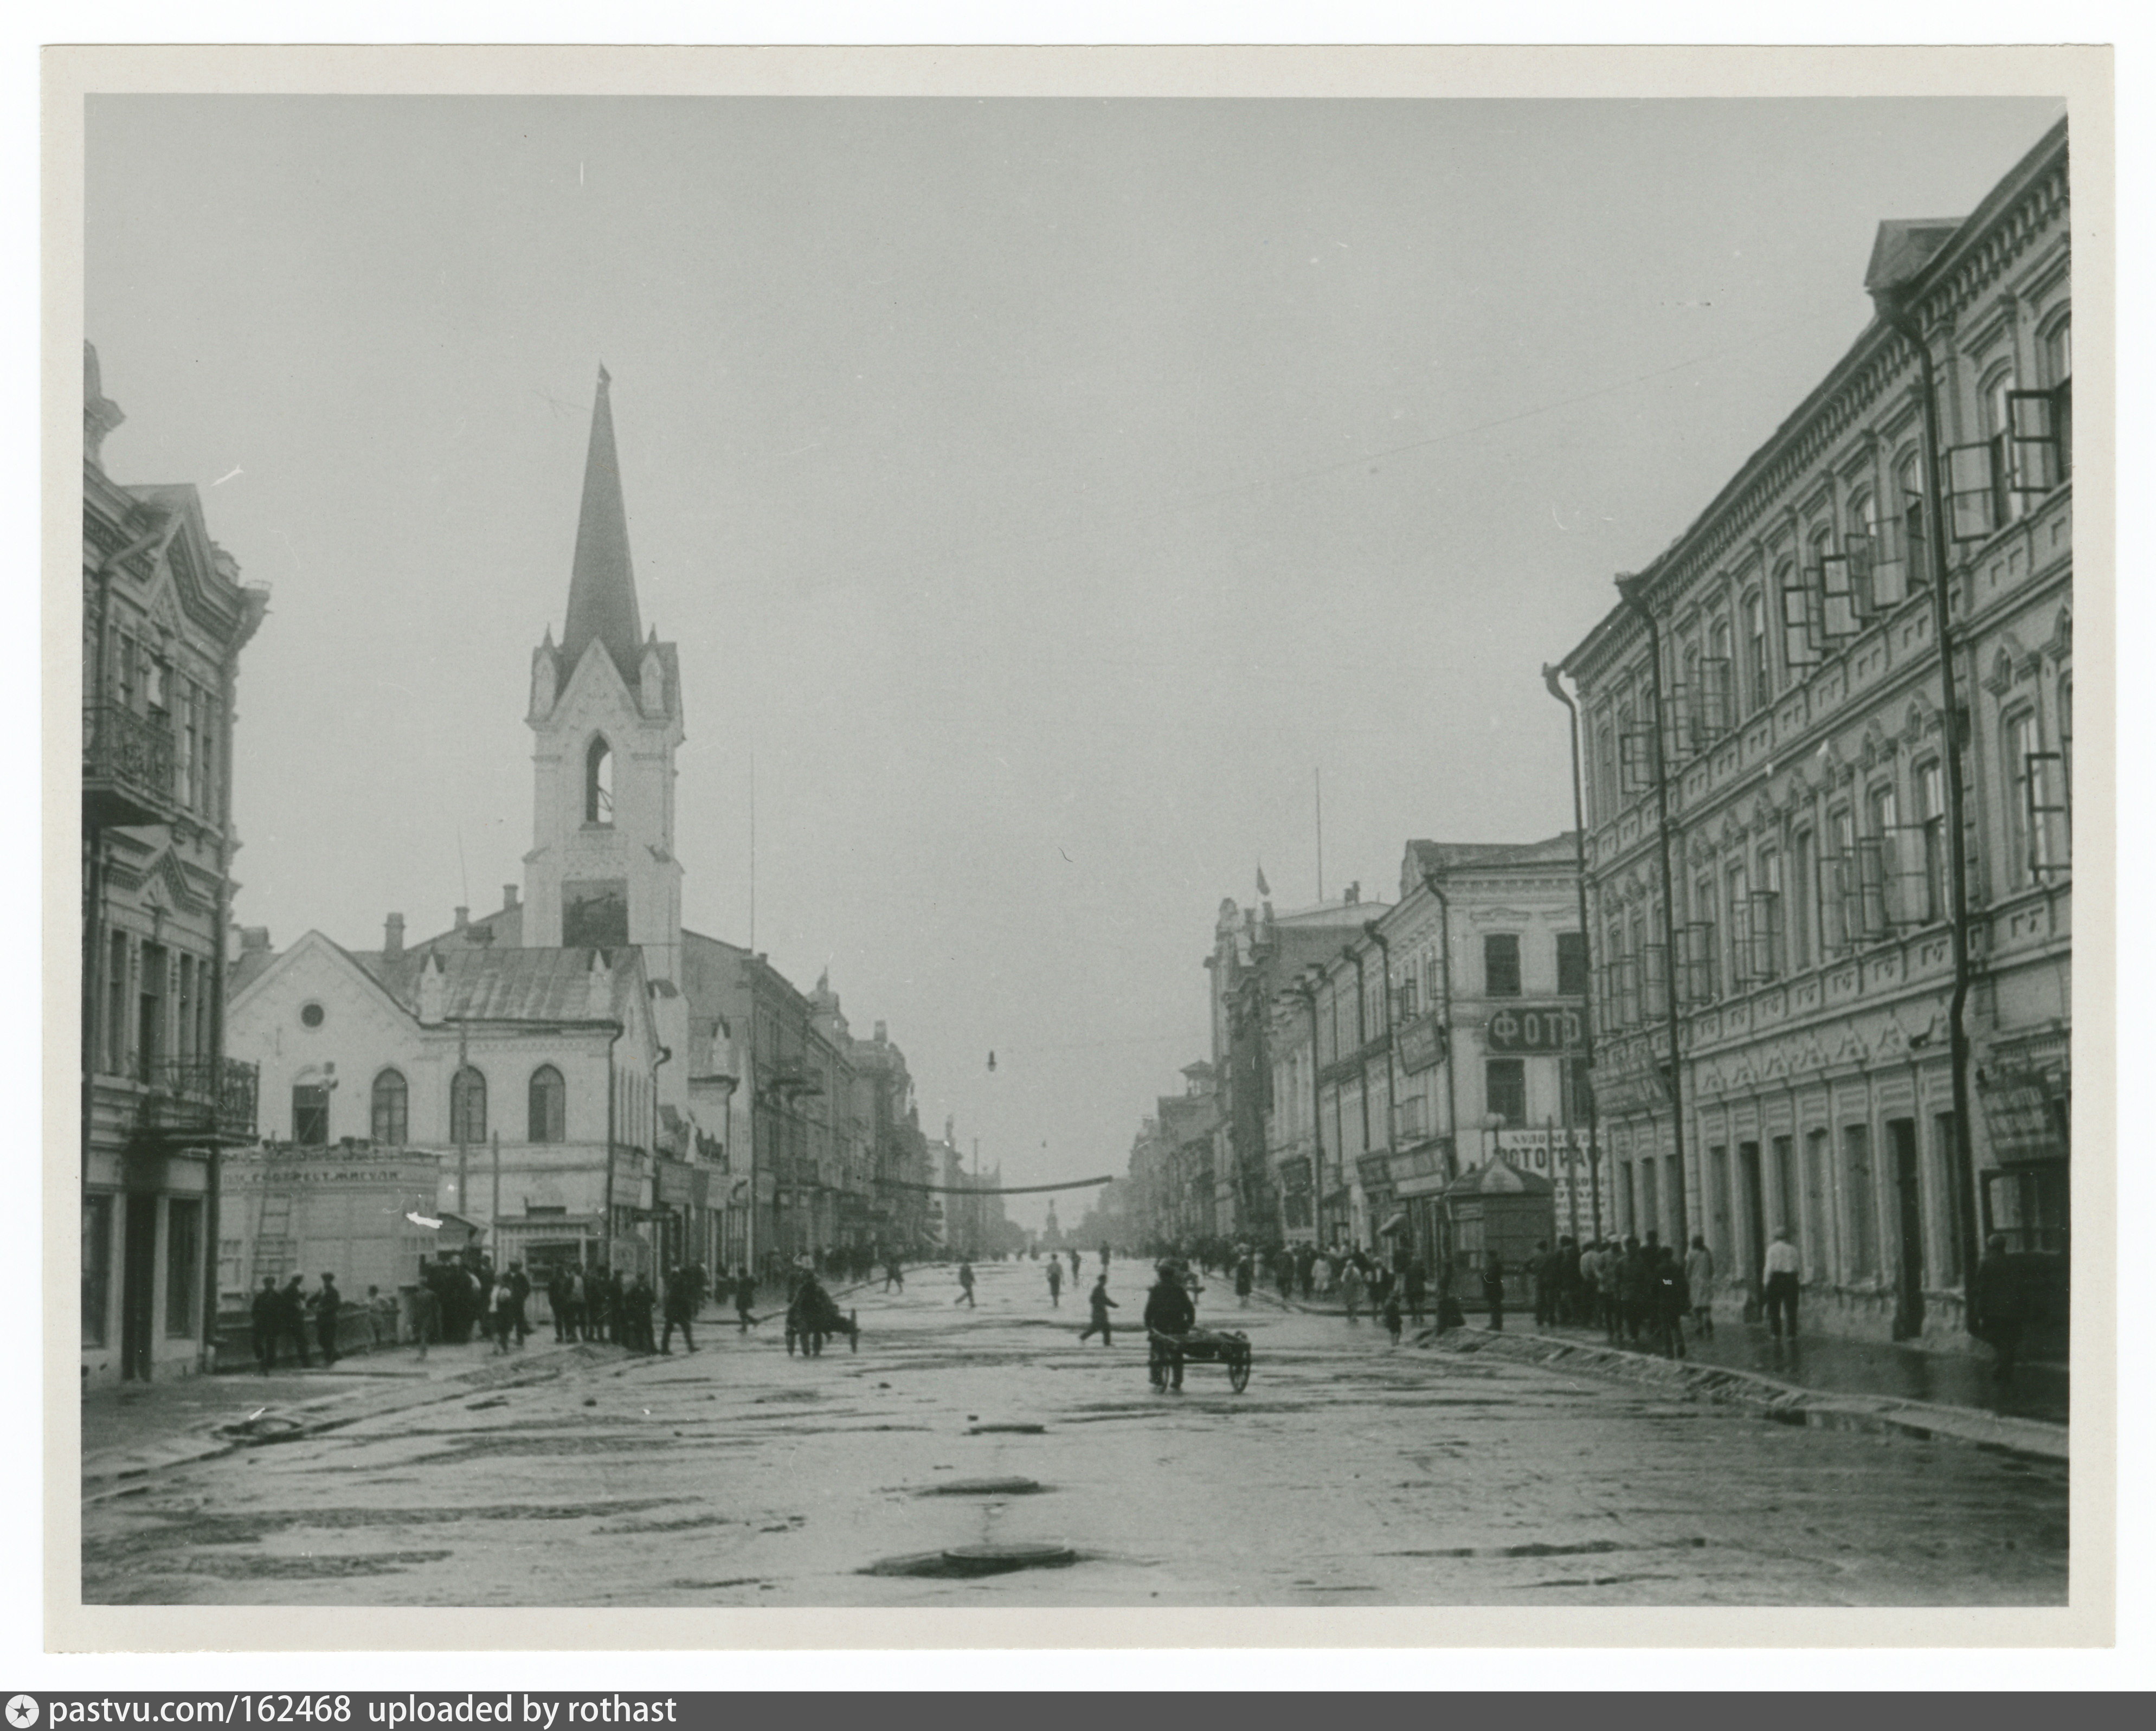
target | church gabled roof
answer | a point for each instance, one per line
(601, 581)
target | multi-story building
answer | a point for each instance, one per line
(1442, 1031)
(165, 617)
(899, 1181)
(1770, 780)
(1255, 953)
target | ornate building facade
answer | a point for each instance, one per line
(1768, 786)
(165, 617)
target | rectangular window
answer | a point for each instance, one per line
(2021, 746)
(1818, 1243)
(1841, 921)
(1504, 1090)
(96, 1268)
(1738, 962)
(1798, 906)
(115, 1006)
(1575, 1097)
(1931, 888)
(150, 1015)
(1501, 965)
(1863, 1206)
(310, 1114)
(183, 1265)
(1572, 964)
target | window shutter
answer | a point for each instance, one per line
(1972, 490)
(1798, 647)
(2032, 441)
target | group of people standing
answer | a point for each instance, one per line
(280, 1315)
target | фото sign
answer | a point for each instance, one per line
(1538, 1028)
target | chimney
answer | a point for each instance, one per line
(464, 918)
(392, 935)
(508, 897)
(1354, 895)
(253, 939)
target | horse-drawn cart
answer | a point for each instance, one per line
(1167, 1353)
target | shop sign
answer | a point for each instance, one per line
(2018, 1116)
(1538, 1028)
(1422, 1044)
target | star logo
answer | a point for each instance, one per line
(22, 1711)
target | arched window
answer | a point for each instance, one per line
(549, 1104)
(1916, 538)
(598, 782)
(392, 1117)
(468, 1105)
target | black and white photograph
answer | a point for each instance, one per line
(1057, 852)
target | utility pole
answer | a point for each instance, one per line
(1586, 951)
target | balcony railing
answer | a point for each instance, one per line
(127, 765)
(202, 1096)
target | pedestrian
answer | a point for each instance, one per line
(1634, 1280)
(1101, 1304)
(381, 1317)
(558, 1303)
(1169, 1313)
(745, 1297)
(965, 1286)
(1782, 1266)
(1104, 1257)
(1392, 1315)
(1351, 1291)
(519, 1289)
(893, 1274)
(1699, 1278)
(1670, 1298)
(1416, 1281)
(1244, 1280)
(681, 1311)
(1493, 1290)
(329, 1311)
(2002, 1307)
(1542, 1274)
(1449, 1315)
(1073, 1266)
(503, 1325)
(426, 1313)
(641, 1299)
(1055, 1283)
(266, 1315)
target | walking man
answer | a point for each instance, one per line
(1782, 1266)
(745, 1297)
(2001, 1307)
(1699, 1277)
(1493, 1290)
(329, 1307)
(1055, 1283)
(965, 1286)
(426, 1313)
(266, 1317)
(894, 1274)
(1101, 1304)
(681, 1311)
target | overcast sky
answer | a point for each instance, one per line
(1041, 490)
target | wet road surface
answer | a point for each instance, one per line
(1350, 1472)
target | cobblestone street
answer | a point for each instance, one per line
(1350, 1472)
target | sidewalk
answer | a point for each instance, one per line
(141, 1427)
(1905, 1386)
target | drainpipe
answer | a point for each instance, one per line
(213, 1200)
(1391, 1071)
(1898, 315)
(1586, 947)
(1630, 588)
(1308, 993)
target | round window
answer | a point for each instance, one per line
(311, 1014)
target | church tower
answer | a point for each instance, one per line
(606, 718)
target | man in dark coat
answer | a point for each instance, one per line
(266, 1317)
(1101, 1304)
(681, 1311)
(558, 1300)
(745, 1296)
(1634, 1280)
(2002, 1307)
(329, 1309)
(1493, 1290)
(519, 1289)
(1670, 1296)
(1168, 1311)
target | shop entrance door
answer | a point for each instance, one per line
(138, 1289)
(1909, 1275)
(1755, 1227)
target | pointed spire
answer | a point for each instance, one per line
(601, 581)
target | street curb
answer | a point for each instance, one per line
(325, 1413)
(1787, 1403)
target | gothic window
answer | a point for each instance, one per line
(468, 1107)
(391, 1120)
(598, 783)
(549, 1104)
